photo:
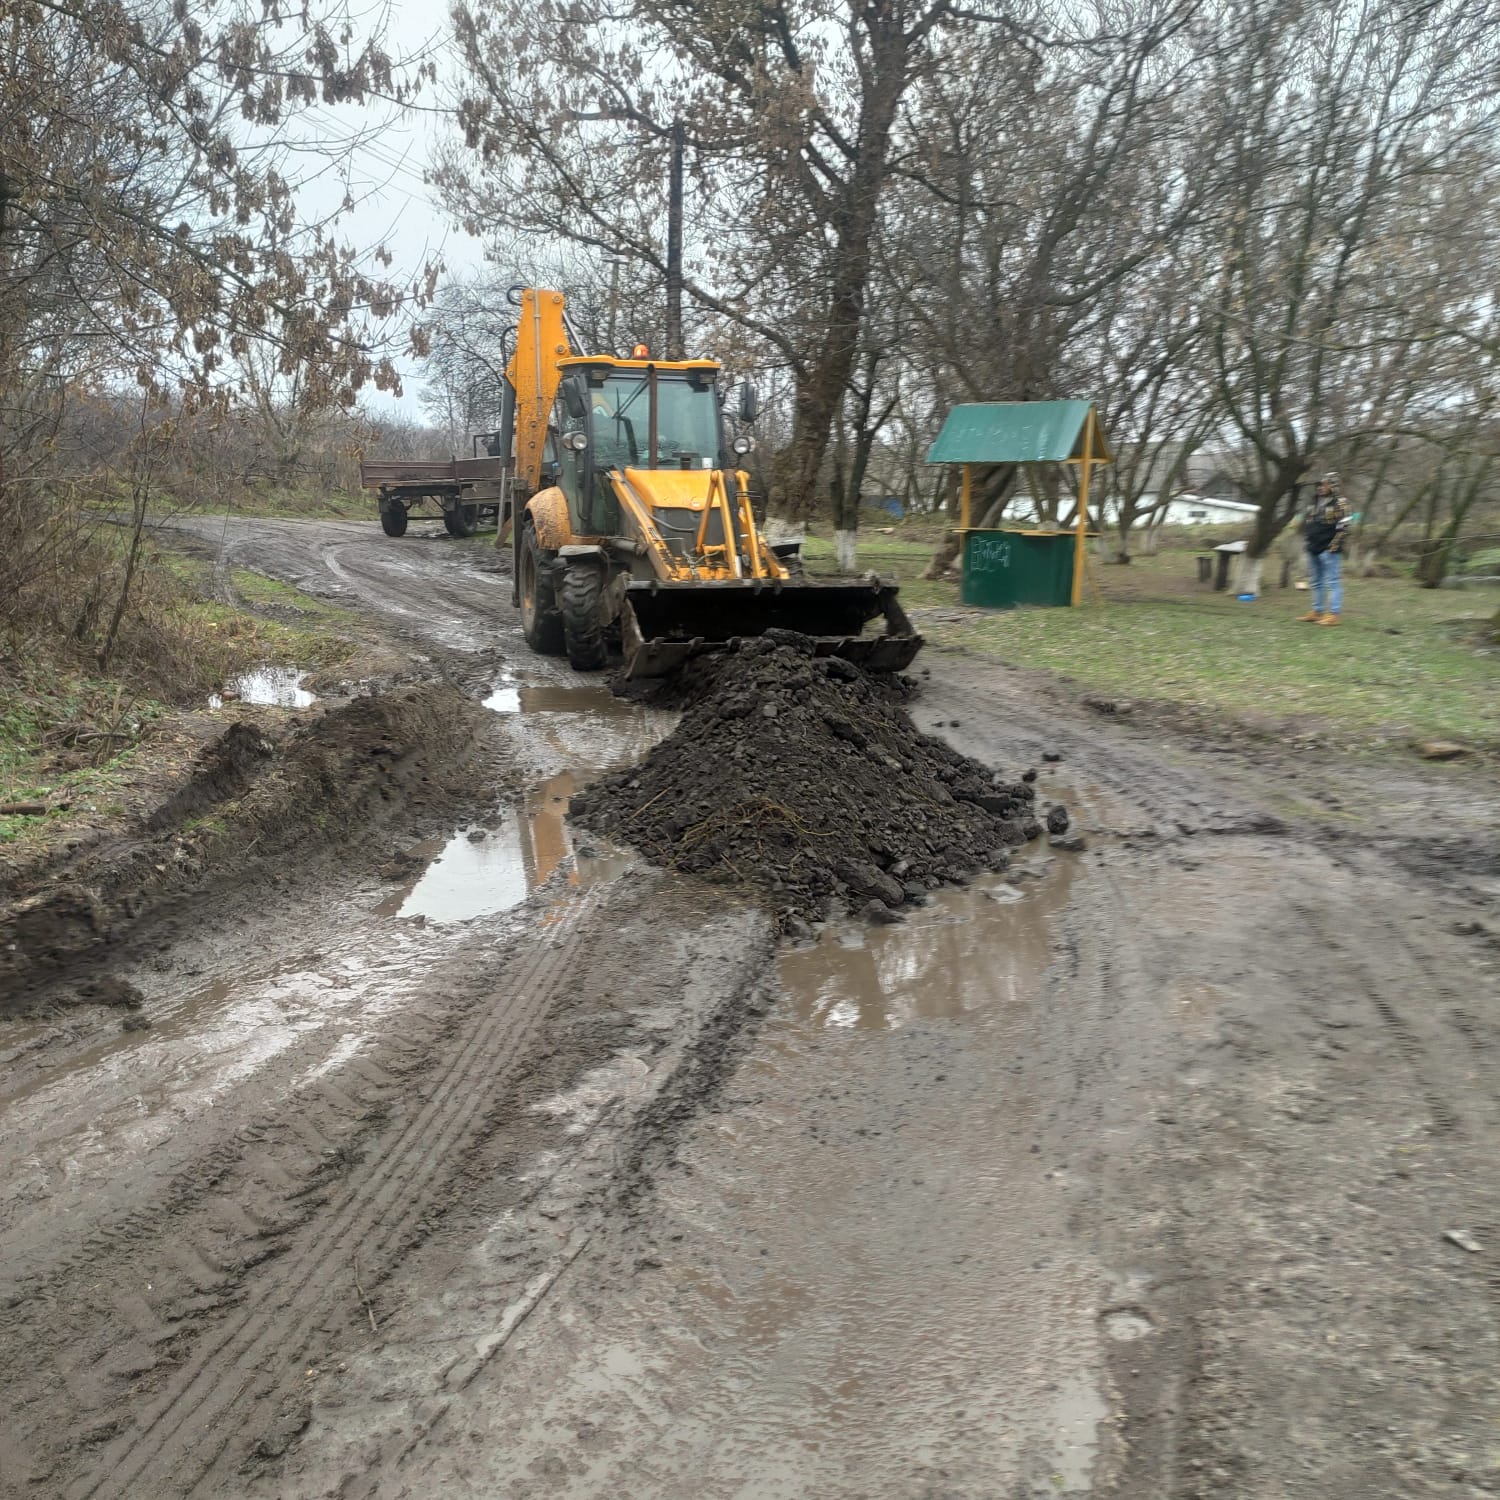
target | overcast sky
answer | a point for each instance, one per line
(393, 205)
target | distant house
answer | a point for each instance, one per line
(1214, 474)
(1189, 509)
(887, 505)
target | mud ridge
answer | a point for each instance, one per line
(252, 808)
(797, 776)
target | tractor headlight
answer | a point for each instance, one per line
(577, 441)
(743, 445)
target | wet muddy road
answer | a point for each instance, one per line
(518, 1169)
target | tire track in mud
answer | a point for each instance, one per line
(1419, 1032)
(375, 1207)
(1176, 800)
(1103, 996)
(387, 586)
(1100, 1056)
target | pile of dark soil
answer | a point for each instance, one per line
(800, 777)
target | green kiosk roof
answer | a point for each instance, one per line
(1016, 432)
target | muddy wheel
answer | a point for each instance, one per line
(461, 520)
(540, 623)
(393, 518)
(583, 624)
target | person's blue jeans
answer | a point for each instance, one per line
(1327, 583)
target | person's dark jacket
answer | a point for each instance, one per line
(1325, 524)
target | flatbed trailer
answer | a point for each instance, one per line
(469, 492)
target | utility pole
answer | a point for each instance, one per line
(674, 246)
(614, 299)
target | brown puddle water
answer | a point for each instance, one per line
(978, 946)
(480, 872)
(478, 876)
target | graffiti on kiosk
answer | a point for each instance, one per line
(989, 554)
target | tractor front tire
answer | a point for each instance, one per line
(583, 624)
(461, 520)
(540, 622)
(393, 518)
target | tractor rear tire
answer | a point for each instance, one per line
(393, 518)
(540, 622)
(461, 520)
(583, 625)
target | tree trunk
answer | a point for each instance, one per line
(1276, 504)
(140, 501)
(821, 389)
(1431, 564)
(944, 558)
(845, 519)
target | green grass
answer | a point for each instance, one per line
(302, 630)
(260, 592)
(304, 503)
(278, 504)
(38, 716)
(1406, 664)
(903, 559)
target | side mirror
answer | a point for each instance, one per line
(573, 399)
(749, 403)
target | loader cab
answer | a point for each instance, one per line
(633, 414)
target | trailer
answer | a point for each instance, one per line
(469, 492)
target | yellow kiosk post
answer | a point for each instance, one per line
(1083, 507)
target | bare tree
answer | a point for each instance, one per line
(791, 115)
(1345, 132)
(148, 225)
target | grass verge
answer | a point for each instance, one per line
(1406, 664)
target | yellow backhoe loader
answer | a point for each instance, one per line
(631, 523)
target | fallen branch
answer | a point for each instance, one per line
(368, 1305)
(22, 809)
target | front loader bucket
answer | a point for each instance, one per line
(666, 623)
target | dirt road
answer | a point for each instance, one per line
(464, 1159)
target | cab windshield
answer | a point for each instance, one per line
(687, 423)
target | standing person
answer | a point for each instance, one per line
(1324, 527)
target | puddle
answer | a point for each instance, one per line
(273, 687)
(620, 729)
(479, 877)
(506, 698)
(981, 945)
(480, 872)
(1078, 1408)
